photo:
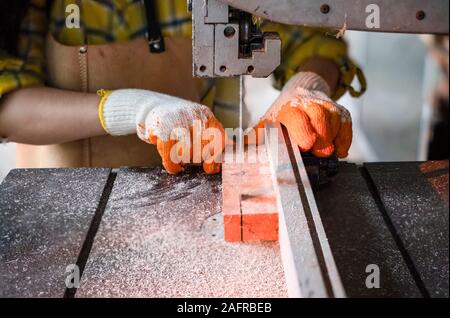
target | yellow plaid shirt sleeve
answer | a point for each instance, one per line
(26, 69)
(102, 21)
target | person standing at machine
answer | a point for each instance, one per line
(76, 96)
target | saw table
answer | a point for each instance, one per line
(144, 233)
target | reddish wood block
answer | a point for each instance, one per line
(249, 201)
(260, 227)
(259, 218)
(232, 228)
(232, 218)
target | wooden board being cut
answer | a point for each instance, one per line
(249, 203)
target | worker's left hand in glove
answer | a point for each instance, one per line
(313, 120)
(183, 131)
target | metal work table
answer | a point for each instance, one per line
(142, 232)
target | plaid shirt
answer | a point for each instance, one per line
(106, 21)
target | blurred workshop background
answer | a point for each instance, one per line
(407, 74)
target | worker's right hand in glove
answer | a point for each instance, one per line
(314, 121)
(168, 122)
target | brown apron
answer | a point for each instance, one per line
(111, 66)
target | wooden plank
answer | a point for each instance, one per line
(259, 217)
(308, 264)
(415, 197)
(358, 237)
(153, 242)
(249, 202)
(316, 226)
(45, 216)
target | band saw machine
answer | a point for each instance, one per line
(228, 42)
(293, 225)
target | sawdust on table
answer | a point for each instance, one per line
(151, 243)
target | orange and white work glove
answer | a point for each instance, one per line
(184, 132)
(315, 122)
